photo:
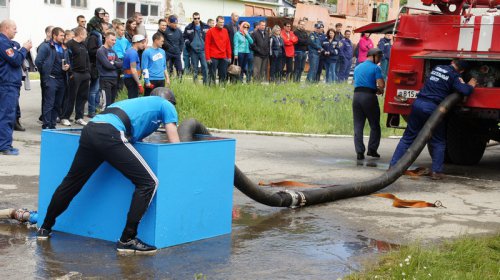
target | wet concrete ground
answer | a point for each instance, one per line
(318, 242)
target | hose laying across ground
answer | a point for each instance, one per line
(292, 198)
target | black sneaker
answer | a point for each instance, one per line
(43, 234)
(360, 156)
(373, 154)
(134, 246)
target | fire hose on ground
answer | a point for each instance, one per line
(292, 198)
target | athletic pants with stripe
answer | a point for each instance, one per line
(101, 142)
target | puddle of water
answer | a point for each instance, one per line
(291, 244)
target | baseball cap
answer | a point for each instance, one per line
(172, 19)
(318, 25)
(374, 51)
(138, 38)
(463, 64)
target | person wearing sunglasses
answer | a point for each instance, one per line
(242, 42)
(194, 39)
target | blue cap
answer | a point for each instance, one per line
(464, 64)
(318, 25)
(172, 19)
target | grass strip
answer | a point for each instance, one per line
(468, 258)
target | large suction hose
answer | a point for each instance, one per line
(291, 198)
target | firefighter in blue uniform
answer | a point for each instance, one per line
(12, 56)
(385, 46)
(314, 49)
(345, 57)
(443, 80)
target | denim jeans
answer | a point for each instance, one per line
(300, 62)
(313, 67)
(331, 75)
(94, 96)
(195, 57)
(250, 67)
(243, 63)
(219, 66)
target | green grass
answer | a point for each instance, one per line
(465, 258)
(301, 108)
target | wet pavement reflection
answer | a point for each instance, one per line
(265, 244)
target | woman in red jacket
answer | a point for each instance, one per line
(290, 40)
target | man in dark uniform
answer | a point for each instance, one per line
(443, 80)
(385, 46)
(314, 48)
(109, 137)
(368, 83)
(11, 60)
(175, 45)
(345, 57)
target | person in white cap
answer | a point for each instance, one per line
(132, 65)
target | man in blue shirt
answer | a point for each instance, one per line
(52, 60)
(154, 66)
(368, 83)
(11, 61)
(132, 66)
(443, 80)
(108, 65)
(109, 137)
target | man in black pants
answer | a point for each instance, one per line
(108, 65)
(368, 83)
(79, 79)
(109, 137)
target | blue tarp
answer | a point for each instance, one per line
(250, 20)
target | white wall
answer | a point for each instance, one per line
(32, 16)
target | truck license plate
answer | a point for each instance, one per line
(407, 93)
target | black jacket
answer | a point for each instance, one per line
(261, 43)
(78, 57)
(174, 41)
(189, 33)
(303, 40)
(230, 30)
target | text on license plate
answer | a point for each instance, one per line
(407, 93)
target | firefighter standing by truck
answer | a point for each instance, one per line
(385, 46)
(368, 83)
(443, 80)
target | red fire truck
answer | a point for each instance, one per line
(424, 39)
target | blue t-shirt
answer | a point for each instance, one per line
(121, 46)
(154, 60)
(366, 74)
(131, 56)
(145, 114)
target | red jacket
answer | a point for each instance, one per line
(217, 44)
(289, 42)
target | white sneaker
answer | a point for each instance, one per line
(81, 122)
(65, 122)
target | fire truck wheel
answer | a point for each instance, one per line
(466, 140)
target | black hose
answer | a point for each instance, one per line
(291, 198)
